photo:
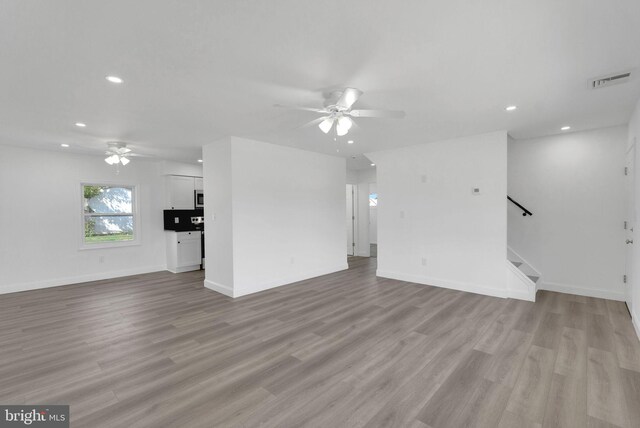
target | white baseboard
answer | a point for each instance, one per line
(220, 288)
(636, 325)
(522, 295)
(438, 282)
(239, 290)
(183, 269)
(581, 291)
(256, 288)
(36, 285)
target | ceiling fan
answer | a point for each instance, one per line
(117, 153)
(338, 111)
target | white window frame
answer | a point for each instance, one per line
(135, 213)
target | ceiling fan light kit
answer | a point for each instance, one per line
(117, 154)
(326, 125)
(343, 126)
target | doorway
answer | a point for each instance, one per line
(629, 224)
(373, 219)
(351, 219)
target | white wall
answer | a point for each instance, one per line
(352, 176)
(367, 175)
(180, 168)
(355, 176)
(426, 209)
(287, 214)
(218, 215)
(41, 223)
(574, 185)
(633, 137)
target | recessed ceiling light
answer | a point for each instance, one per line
(350, 142)
(64, 145)
(200, 160)
(80, 124)
(373, 164)
(511, 108)
(565, 128)
(114, 79)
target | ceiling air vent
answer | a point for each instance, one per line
(612, 79)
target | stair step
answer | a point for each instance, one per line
(533, 278)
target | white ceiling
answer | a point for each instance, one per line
(195, 71)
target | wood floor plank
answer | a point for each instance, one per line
(572, 353)
(342, 350)
(442, 410)
(508, 360)
(605, 391)
(567, 402)
(600, 332)
(631, 390)
(529, 397)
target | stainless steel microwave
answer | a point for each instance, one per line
(199, 198)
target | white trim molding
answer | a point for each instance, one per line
(220, 288)
(636, 325)
(256, 288)
(443, 283)
(15, 288)
(236, 290)
(184, 269)
(511, 252)
(519, 285)
(581, 291)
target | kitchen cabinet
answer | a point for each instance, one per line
(183, 251)
(180, 191)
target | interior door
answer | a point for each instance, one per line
(630, 221)
(350, 220)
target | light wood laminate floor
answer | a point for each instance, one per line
(342, 350)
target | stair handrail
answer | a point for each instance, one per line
(525, 211)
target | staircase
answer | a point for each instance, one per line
(522, 278)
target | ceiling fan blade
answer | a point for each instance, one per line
(391, 114)
(315, 110)
(309, 124)
(348, 97)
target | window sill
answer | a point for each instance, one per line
(106, 245)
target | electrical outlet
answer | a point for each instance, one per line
(423, 178)
(176, 220)
(101, 259)
(401, 214)
(292, 260)
(475, 190)
(424, 261)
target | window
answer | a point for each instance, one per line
(373, 199)
(108, 215)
